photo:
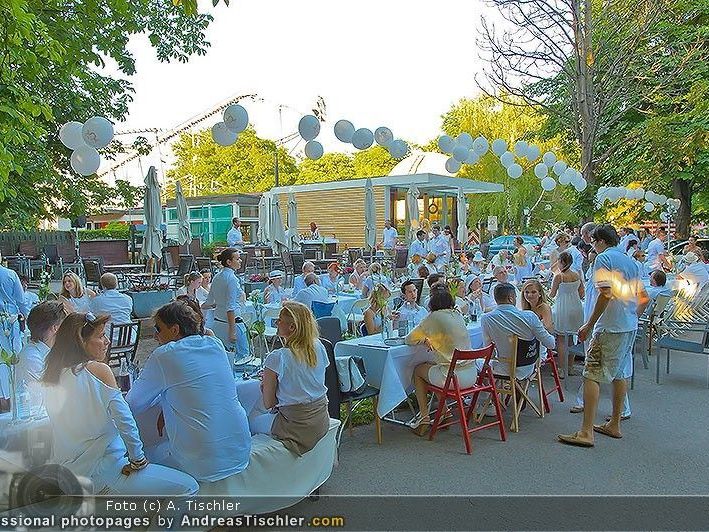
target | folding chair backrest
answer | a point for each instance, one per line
(204, 263)
(353, 254)
(332, 382)
(92, 271)
(400, 258)
(418, 283)
(124, 339)
(526, 351)
(287, 259)
(321, 310)
(330, 328)
(51, 251)
(472, 354)
(168, 262)
(363, 329)
(187, 265)
(298, 260)
(487, 283)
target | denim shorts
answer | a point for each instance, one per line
(609, 356)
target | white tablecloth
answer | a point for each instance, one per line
(391, 369)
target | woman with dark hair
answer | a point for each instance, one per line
(192, 287)
(189, 375)
(93, 427)
(442, 332)
(567, 290)
(227, 297)
(520, 258)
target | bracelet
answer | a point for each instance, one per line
(137, 465)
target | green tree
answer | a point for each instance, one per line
(51, 55)
(373, 162)
(330, 167)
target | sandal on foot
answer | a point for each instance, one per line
(622, 418)
(576, 409)
(573, 439)
(603, 429)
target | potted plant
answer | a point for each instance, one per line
(148, 298)
(256, 281)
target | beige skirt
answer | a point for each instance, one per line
(300, 427)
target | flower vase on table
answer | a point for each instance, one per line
(387, 327)
(9, 329)
(256, 331)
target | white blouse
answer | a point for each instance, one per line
(298, 383)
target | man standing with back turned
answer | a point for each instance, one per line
(612, 326)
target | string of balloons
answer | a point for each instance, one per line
(652, 200)
(84, 140)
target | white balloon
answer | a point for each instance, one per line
(97, 132)
(85, 160)
(344, 131)
(521, 148)
(514, 171)
(465, 139)
(383, 136)
(548, 184)
(507, 158)
(560, 167)
(446, 144)
(70, 135)
(363, 138)
(639, 193)
(313, 149)
(649, 195)
(236, 118)
(541, 170)
(661, 199)
(581, 185)
(533, 153)
(566, 177)
(472, 158)
(222, 135)
(677, 202)
(398, 148)
(481, 145)
(309, 127)
(452, 166)
(499, 147)
(549, 158)
(460, 153)
(649, 207)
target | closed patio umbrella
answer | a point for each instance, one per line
(184, 234)
(279, 240)
(263, 214)
(462, 219)
(152, 213)
(412, 208)
(370, 217)
(293, 239)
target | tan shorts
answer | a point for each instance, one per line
(466, 375)
(608, 356)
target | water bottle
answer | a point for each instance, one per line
(403, 327)
(123, 379)
(23, 401)
(476, 311)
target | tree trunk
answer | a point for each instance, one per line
(682, 190)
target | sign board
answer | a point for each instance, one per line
(492, 223)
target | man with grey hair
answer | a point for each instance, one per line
(312, 291)
(118, 307)
(587, 231)
(299, 282)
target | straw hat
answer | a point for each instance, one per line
(470, 280)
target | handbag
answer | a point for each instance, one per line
(351, 374)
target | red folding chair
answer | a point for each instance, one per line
(551, 362)
(451, 390)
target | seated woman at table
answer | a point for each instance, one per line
(475, 292)
(534, 299)
(294, 381)
(92, 426)
(274, 292)
(442, 332)
(377, 304)
(374, 276)
(359, 274)
(332, 278)
(190, 377)
(74, 292)
(193, 288)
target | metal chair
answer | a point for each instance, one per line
(418, 283)
(356, 315)
(400, 260)
(124, 343)
(287, 265)
(353, 254)
(330, 328)
(204, 263)
(671, 342)
(321, 310)
(93, 270)
(298, 260)
(187, 265)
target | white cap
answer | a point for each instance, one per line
(275, 274)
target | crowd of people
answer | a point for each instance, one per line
(590, 290)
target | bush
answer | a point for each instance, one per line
(208, 249)
(114, 230)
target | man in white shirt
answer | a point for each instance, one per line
(389, 236)
(695, 272)
(299, 282)
(235, 238)
(658, 279)
(501, 259)
(118, 307)
(612, 326)
(43, 322)
(624, 233)
(419, 246)
(656, 254)
(312, 291)
(31, 299)
(410, 311)
(440, 247)
(505, 321)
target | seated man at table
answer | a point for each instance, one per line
(658, 280)
(312, 291)
(31, 299)
(694, 272)
(299, 282)
(189, 377)
(505, 321)
(118, 307)
(410, 311)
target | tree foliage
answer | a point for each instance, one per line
(51, 57)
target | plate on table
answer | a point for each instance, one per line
(393, 342)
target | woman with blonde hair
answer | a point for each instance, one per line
(520, 258)
(359, 274)
(377, 304)
(294, 381)
(534, 299)
(567, 290)
(74, 292)
(374, 276)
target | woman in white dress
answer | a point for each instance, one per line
(567, 290)
(93, 428)
(189, 375)
(520, 257)
(374, 276)
(377, 305)
(274, 292)
(74, 292)
(359, 274)
(193, 288)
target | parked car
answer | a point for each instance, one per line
(507, 242)
(676, 246)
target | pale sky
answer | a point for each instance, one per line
(398, 63)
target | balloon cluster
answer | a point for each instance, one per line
(309, 128)
(363, 138)
(235, 120)
(462, 149)
(651, 199)
(85, 139)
